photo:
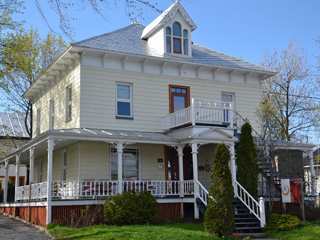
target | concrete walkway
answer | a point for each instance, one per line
(16, 230)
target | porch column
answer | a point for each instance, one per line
(5, 184)
(120, 180)
(312, 173)
(181, 177)
(49, 178)
(17, 175)
(195, 177)
(233, 167)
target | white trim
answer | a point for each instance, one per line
(51, 114)
(26, 204)
(79, 173)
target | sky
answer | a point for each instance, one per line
(241, 28)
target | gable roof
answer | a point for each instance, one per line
(12, 125)
(165, 17)
(127, 41)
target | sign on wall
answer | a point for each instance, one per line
(285, 190)
(291, 190)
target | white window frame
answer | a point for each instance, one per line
(40, 172)
(64, 165)
(124, 100)
(126, 148)
(51, 114)
(68, 103)
(226, 117)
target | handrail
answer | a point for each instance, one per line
(255, 207)
(203, 193)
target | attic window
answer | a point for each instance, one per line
(177, 48)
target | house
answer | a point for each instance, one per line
(13, 135)
(142, 107)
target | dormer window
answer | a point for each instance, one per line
(168, 39)
(185, 42)
(177, 48)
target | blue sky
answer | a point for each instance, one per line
(243, 29)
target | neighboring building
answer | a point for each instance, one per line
(13, 135)
(141, 107)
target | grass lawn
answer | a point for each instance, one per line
(155, 232)
(305, 232)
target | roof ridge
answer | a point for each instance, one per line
(234, 57)
(105, 34)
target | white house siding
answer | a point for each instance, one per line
(58, 94)
(151, 97)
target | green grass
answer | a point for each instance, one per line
(176, 231)
(306, 231)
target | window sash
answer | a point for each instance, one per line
(123, 103)
(177, 48)
(68, 103)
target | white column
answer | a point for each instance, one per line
(31, 166)
(181, 177)
(195, 177)
(49, 178)
(17, 175)
(312, 173)
(5, 184)
(233, 167)
(120, 180)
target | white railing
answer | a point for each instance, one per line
(38, 192)
(188, 187)
(255, 207)
(200, 111)
(203, 193)
(159, 188)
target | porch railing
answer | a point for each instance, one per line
(38, 192)
(255, 207)
(200, 111)
(203, 194)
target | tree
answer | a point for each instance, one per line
(290, 107)
(30, 55)
(219, 215)
(133, 10)
(7, 8)
(247, 161)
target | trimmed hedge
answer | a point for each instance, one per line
(282, 222)
(131, 208)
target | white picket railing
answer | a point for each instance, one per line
(255, 207)
(200, 111)
(203, 193)
(38, 192)
(188, 187)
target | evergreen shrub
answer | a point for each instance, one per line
(131, 208)
(219, 215)
(282, 222)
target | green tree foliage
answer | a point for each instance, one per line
(7, 8)
(131, 208)
(247, 161)
(29, 55)
(219, 215)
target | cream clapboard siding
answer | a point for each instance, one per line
(151, 98)
(72, 164)
(58, 94)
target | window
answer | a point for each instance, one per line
(68, 103)
(64, 165)
(168, 39)
(40, 170)
(177, 38)
(130, 163)
(227, 98)
(124, 100)
(12, 179)
(179, 98)
(51, 114)
(37, 131)
(185, 42)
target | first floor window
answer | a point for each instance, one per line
(63, 165)
(124, 100)
(40, 171)
(130, 164)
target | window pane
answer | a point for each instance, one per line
(168, 31)
(169, 44)
(177, 45)
(179, 103)
(226, 98)
(185, 46)
(176, 29)
(184, 91)
(173, 90)
(178, 90)
(130, 164)
(185, 33)
(123, 91)
(123, 109)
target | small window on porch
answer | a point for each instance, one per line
(130, 163)
(40, 170)
(179, 98)
(64, 165)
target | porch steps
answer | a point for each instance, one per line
(201, 206)
(247, 225)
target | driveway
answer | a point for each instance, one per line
(16, 230)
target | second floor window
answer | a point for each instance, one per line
(124, 100)
(38, 122)
(168, 39)
(51, 114)
(68, 103)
